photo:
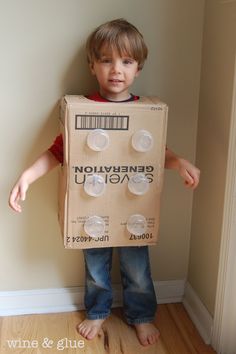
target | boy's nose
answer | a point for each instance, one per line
(116, 67)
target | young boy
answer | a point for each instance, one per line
(116, 53)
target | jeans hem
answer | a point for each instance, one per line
(140, 320)
(98, 317)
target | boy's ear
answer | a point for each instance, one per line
(138, 72)
(91, 67)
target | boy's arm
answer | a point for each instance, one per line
(187, 171)
(40, 167)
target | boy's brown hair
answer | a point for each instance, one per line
(118, 35)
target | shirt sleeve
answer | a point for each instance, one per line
(57, 148)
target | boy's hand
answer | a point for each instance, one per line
(189, 173)
(40, 167)
(18, 193)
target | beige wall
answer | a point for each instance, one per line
(212, 146)
(42, 58)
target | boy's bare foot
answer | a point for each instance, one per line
(89, 328)
(147, 333)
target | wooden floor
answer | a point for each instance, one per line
(55, 333)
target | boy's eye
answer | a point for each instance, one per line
(128, 61)
(105, 60)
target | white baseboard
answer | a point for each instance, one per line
(37, 301)
(169, 291)
(198, 313)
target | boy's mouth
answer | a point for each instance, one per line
(115, 80)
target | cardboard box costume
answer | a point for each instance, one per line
(112, 175)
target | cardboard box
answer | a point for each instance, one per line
(127, 180)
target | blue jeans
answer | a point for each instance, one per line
(139, 299)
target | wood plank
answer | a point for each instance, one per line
(187, 329)
(174, 342)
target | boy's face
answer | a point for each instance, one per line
(115, 74)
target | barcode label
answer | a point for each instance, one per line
(86, 122)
